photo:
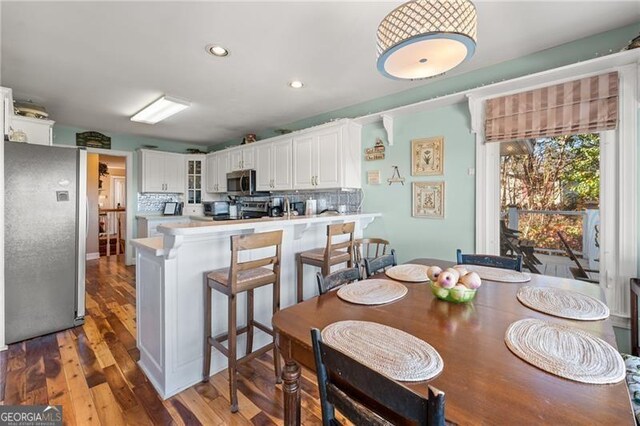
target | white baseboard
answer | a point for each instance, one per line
(93, 256)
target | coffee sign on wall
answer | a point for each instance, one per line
(93, 140)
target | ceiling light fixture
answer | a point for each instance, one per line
(217, 50)
(159, 110)
(426, 38)
(296, 84)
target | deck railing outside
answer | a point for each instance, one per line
(585, 244)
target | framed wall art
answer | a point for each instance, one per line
(428, 200)
(427, 156)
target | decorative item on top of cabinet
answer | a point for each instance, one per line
(248, 138)
(395, 177)
(93, 140)
(427, 156)
(375, 153)
(428, 200)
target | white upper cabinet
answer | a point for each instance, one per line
(217, 166)
(248, 157)
(211, 172)
(274, 166)
(324, 157)
(242, 158)
(304, 154)
(223, 168)
(6, 110)
(327, 163)
(282, 164)
(38, 131)
(161, 172)
(264, 167)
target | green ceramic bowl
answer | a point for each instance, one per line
(452, 295)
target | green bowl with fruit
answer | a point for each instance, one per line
(457, 294)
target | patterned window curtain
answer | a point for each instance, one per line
(580, 106)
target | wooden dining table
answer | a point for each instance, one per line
(483, 381)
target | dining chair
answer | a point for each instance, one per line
(503, 262)
(360, 389)
(333, 253)
(337, 279)
(632, 362)
(578, 272)
(380, 263)
(368, 248)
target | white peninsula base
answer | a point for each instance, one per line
(170, 290)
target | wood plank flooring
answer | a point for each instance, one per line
(92, 371)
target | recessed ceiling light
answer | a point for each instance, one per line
(217, 50)
(296, 84)
(159, 110)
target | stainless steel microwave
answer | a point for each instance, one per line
(242, 182)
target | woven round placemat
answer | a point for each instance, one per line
(408, 272)
(563, 303)
(499, 274)
(372, 292)
(565, 351)
(387, 350)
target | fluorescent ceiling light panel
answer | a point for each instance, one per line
(159, 110)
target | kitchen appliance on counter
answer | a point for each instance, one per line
(218, 210)
(242, 183)
(254, 209)
(45, 247)
(298, 207)
(275, 207)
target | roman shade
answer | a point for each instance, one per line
(580, 106)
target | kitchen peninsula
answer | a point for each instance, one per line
(170, 289)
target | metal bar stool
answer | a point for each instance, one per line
(332, 254)
(240, 277)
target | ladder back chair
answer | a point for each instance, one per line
(330, 255)
(503, 262)
(242, 277)
(337, 279)
(369, 248)
(380, 263)
(366, 397)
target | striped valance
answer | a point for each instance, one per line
(580, 106)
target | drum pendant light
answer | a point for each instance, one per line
(426, 38)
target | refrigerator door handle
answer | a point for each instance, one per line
(83, 229)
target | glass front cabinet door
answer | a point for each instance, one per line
(194, 180)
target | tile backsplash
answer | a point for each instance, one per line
(331, 199)
(151, 203)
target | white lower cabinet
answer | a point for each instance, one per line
(161, 172)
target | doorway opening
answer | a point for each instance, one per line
(550, 204)
(107, 206)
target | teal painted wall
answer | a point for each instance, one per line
(419, 237)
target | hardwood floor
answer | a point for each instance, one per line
(92, 371)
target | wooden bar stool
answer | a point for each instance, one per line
(331, 254)
(240, 277)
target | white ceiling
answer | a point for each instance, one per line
(93, 65)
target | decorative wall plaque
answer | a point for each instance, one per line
(373, 177)
(93, 140)
(427, 156)
(428, 200)
(375, 153)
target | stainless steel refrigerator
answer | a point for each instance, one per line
(45, 239)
